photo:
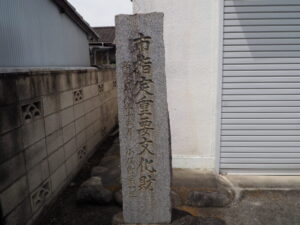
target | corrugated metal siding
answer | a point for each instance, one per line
(260, 130)
(35, 33)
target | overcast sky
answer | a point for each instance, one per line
(101, 12)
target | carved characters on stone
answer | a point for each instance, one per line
(131, 170)
(138, 97)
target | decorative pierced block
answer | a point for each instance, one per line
(31, 111)
(39, 197)
(114, 83)
(100, 88)
(82, 152)
(78, 95)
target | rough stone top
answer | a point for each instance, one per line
(155, 15)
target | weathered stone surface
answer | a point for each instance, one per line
(92, 191)
(98, 171)
(118, 197)
(143, 119)
(208, 199)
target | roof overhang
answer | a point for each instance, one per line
(69, 10)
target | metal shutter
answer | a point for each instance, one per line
(260, 130)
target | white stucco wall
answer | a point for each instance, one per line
(192, 29)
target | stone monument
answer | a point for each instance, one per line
(143, 119)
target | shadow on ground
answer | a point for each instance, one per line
(65, 210)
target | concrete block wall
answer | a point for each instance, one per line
(50, 123)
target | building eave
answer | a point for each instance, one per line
(71, 12)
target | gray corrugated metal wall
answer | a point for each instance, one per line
(261, 87)
(35, 33)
